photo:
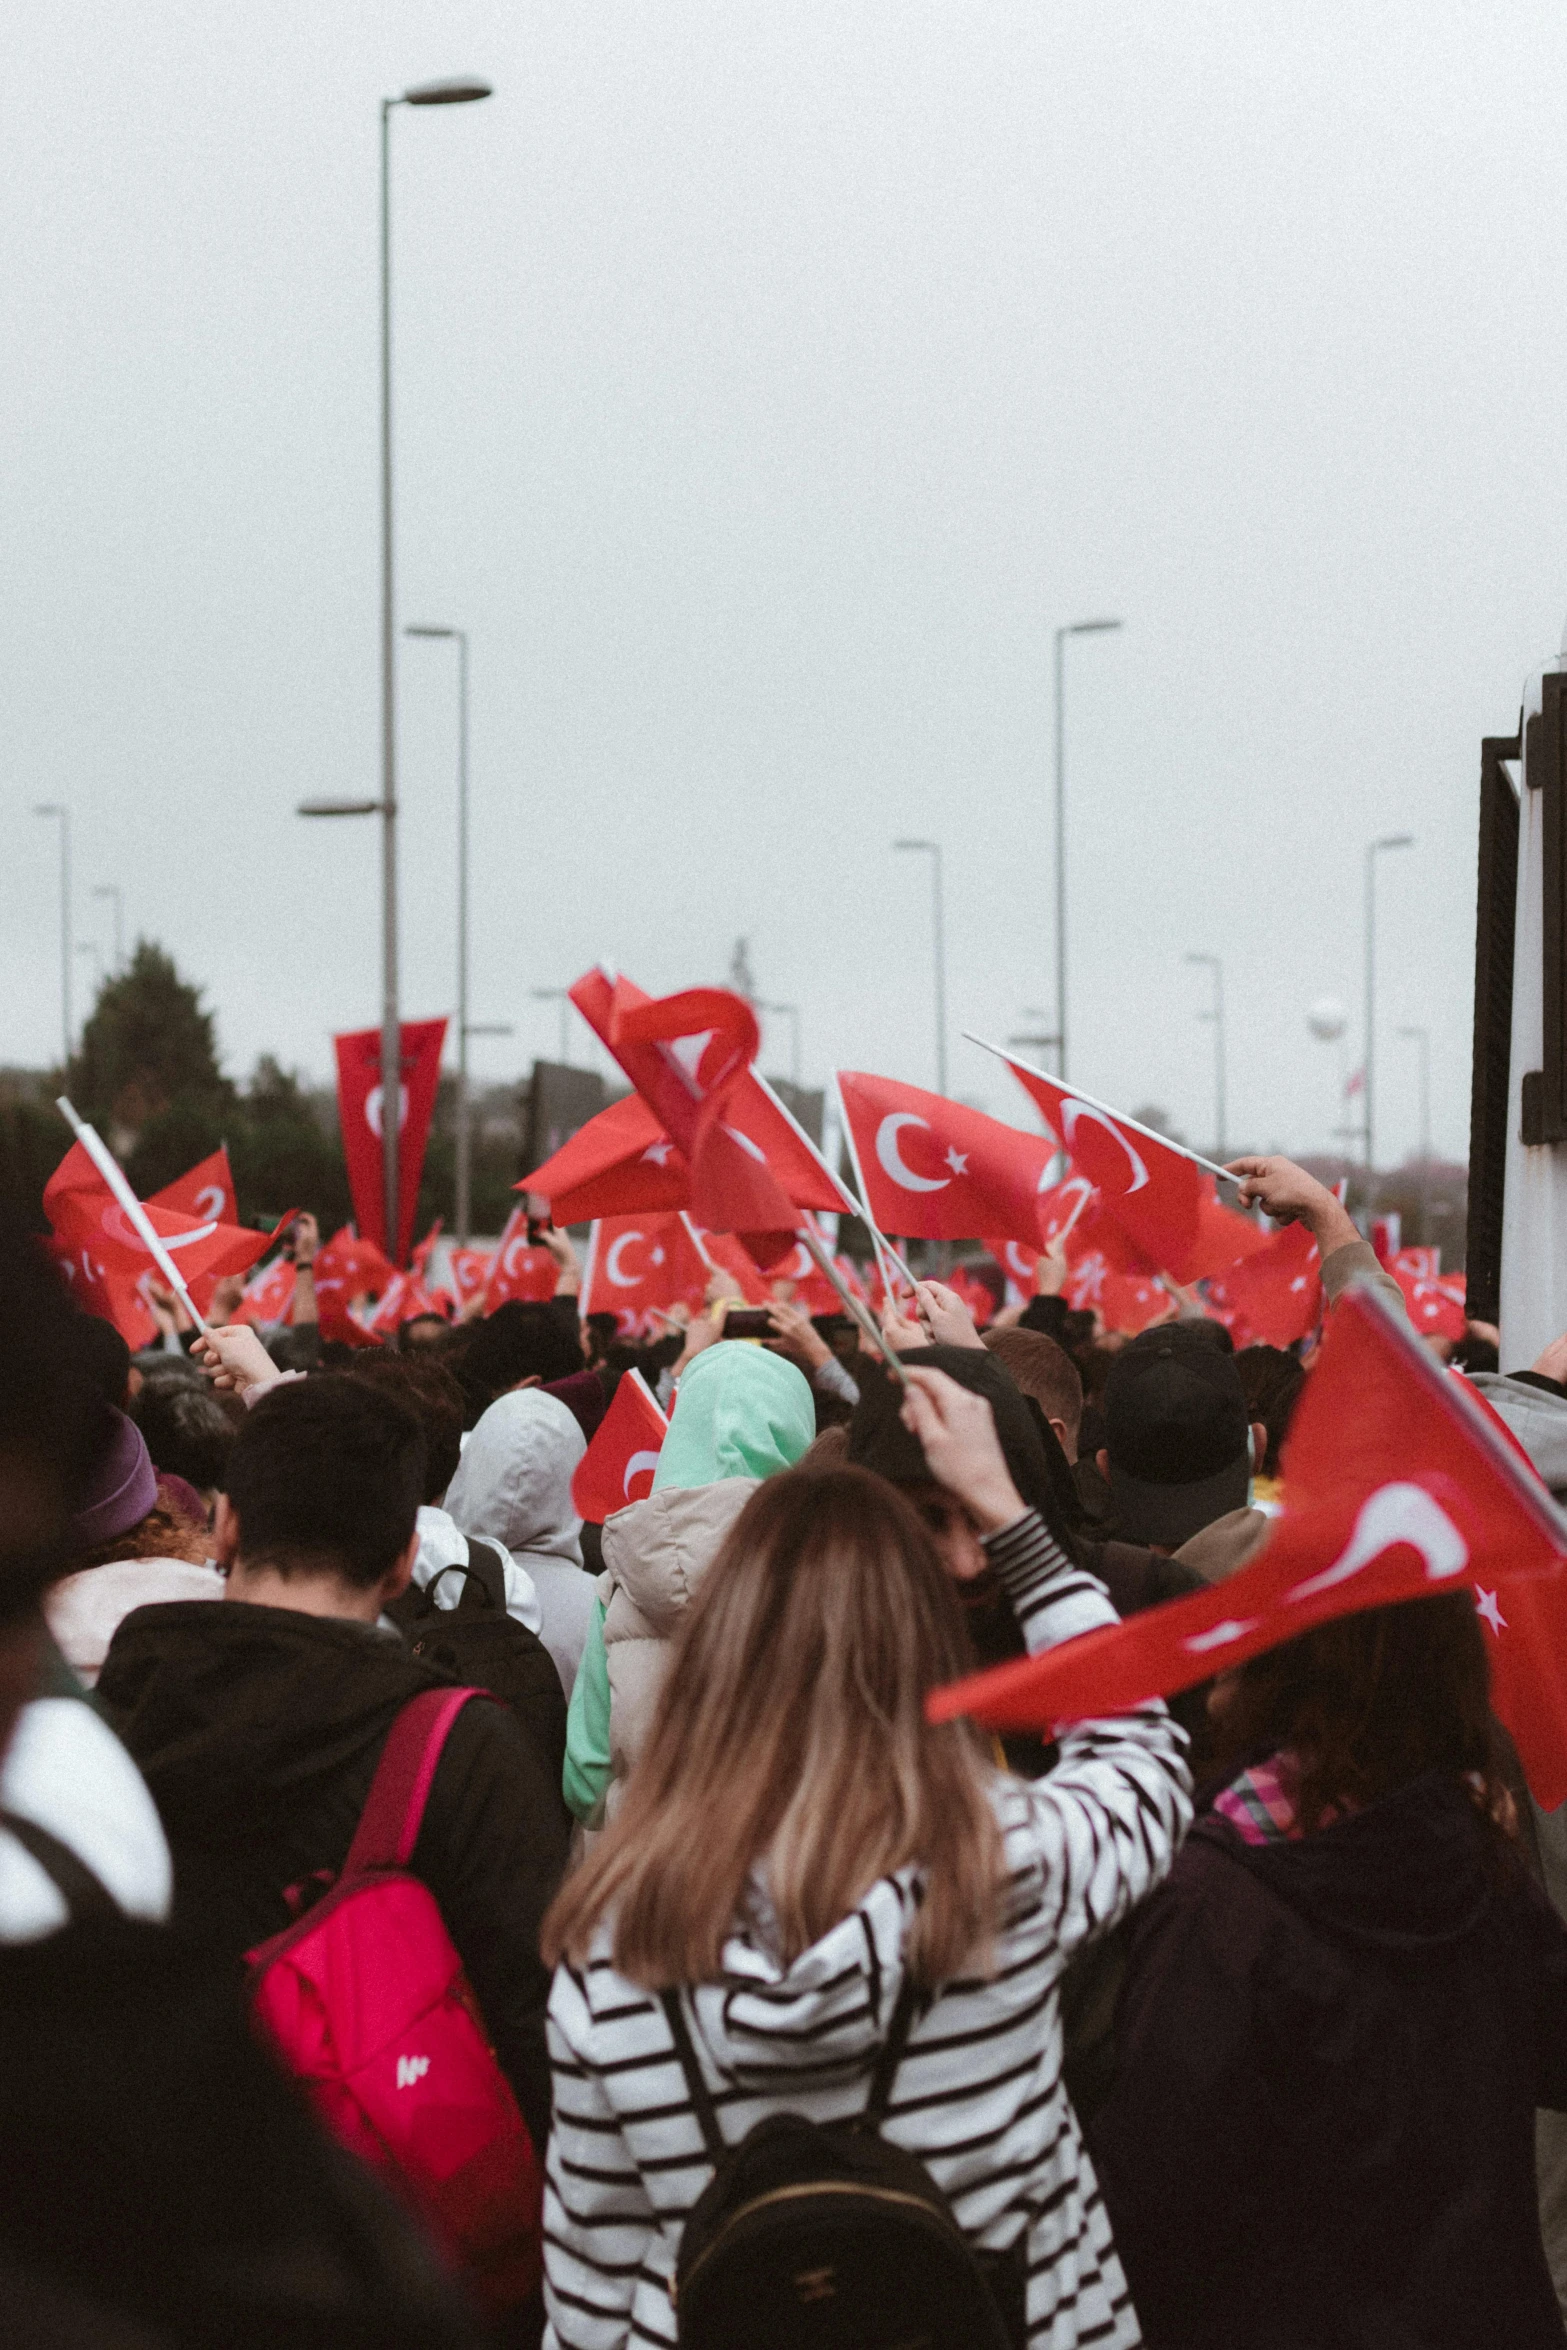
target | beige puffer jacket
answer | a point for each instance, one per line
(655, 1555)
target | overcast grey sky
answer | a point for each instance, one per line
(771, 380)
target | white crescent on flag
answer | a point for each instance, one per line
(1072, 1111)
(892, 1159)
(373, 1109)
(1394, 1514)
(612, 1256)
(641, 1464)
(119, 1227)
(211, 1201)
(509, 1256)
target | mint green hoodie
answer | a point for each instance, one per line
(739, 1412)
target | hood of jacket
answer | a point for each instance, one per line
(1537, 1416)
(232, 1704)
(820, 2019)
(513, 1483)
(658, 1550)
(740, 1412)
(1416, 1870)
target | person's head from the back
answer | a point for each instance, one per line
(121, 1511)
(879, 1440)
(1274, 1381)
(51, 1415)
(1047, 1372)
(432, 1394)
(513, 1483)
(106, 1361)
(422, 1334)
(792, 1728)
(524, 1343)
(321, 1499)
(740, 1412)
(1179, 1444)
(1366, 1705)
(599, 1332)
(187, 1431)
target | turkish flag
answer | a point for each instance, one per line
(935, 1170)
(808, 1288)
(1274, 1296)
(622, 1453)
(639, 1262)
(206, 1192)
(108, 1264)
(470, 1270)
(1421, 1264)
(1436, 1308)
(346, 1268)
(519, 1268)
(729, 1251)
(974, 1294)
(750, 1167)
(621, 1163)
(359, 1114)
(1155, 1193)
(1395, 1487)
(1125, 1302)
(269, 1296)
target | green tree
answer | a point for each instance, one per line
(147, 1049)
(282, 1153)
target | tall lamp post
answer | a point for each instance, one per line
(1389, 840)
(459, 637)
(932, 849)
(791, 1013)
(1072, 628)
(112, 889)
(1216, 966)
(462, 91)
(55, 808)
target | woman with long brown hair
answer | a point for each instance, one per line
(796, 1843)
(1339, 2017)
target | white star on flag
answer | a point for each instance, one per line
(958, 1161)
(1486, 1606)
(657, 1153)
(658, 1256)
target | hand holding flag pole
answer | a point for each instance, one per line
(109, 1168)
(867, 1322)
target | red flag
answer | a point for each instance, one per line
(622, 1453)
(1019, 1263)
(206, 1192)
(1154, 1192)
(638, 1262)
(470, 1270)
(346, 1268)
(935, 1170)
(1526, 1623)
(1395, 1487)
(729, 1251)
(106, 1261)
(519, 1267)
(359, 1113)
(749, 1165)
(808, 1288)
(621, 1163)
(1436, 1307)
(269, 1296)
(1273, 1297)
(974, 1293)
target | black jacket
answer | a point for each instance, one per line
(1321, 2134)
(258, 1731)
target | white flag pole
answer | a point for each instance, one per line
(1077, 1094)
(867, 1321)
(883, 1248)
(697, 1241)
(109, 1168)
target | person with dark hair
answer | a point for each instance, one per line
(134, 1547)
(1043, 1369)
(1180, 1445)
(422, 1334)
(258, 1724)
(1339, 2017)
(524, 1343)
(186, 1431)
(1273, 1381)
(105, 1360)
(599, 1332)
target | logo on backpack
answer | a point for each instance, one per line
(411, 2069)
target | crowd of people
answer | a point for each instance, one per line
(765, 2009)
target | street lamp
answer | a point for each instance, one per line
(1216, 966)
(1389, 840)
(112, 889)
(932, 849)
(1072, 628)
(459, 637)
(561, 996)
(54, 808)
(791, 1013)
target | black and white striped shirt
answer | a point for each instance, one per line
(978, 2097)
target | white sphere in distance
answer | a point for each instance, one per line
(1327, 1018)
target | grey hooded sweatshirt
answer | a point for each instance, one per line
(513, 1486)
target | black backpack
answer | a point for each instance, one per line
(824, 2236)
(483, 1647)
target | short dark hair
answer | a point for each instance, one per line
(186, 1429)
(422, 1322)
(430, 1391)
(526, 1338)
(104, 1357)
(326, 1475)
(1043, 1370)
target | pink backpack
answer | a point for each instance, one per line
(364, 1998)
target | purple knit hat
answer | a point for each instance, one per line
(121, 1488)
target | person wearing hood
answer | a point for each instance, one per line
(513, 1487)
(134, 1549)
(741, 1415)
(797, 1843)
(258, 1724)
(1339, 2017)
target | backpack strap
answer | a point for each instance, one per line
(84, 1894)
(486, 1570)
(389, 1824)
(891, 2054)
(696, 2086)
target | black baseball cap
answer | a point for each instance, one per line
(1178, 1433)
